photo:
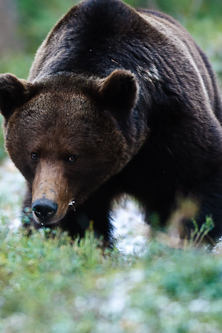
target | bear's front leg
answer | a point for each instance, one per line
(95, 213)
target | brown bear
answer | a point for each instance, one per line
(118, 101)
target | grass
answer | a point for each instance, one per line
(51, 285)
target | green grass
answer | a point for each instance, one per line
(55, 286)
(50, 285)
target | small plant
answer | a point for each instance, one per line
(199, 234)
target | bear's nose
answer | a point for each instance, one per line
(44, 209)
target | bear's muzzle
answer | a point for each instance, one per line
(44, 210)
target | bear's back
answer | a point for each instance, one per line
(97, 37)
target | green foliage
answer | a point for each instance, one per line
(38, 17)
(18, 65)
(195, 9)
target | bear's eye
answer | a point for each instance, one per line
(35, 157)
(71, 158)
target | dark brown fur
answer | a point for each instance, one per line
(117, 101)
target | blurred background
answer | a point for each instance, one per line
(25, 23)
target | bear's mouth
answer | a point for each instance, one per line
(46, 222)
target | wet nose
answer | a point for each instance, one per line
(44, 209)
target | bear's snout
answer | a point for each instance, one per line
(44, 210)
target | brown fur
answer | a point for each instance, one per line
(117, 101)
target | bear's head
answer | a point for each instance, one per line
(68, 135)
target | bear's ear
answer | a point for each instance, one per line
(13, 93)
(118, 92)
